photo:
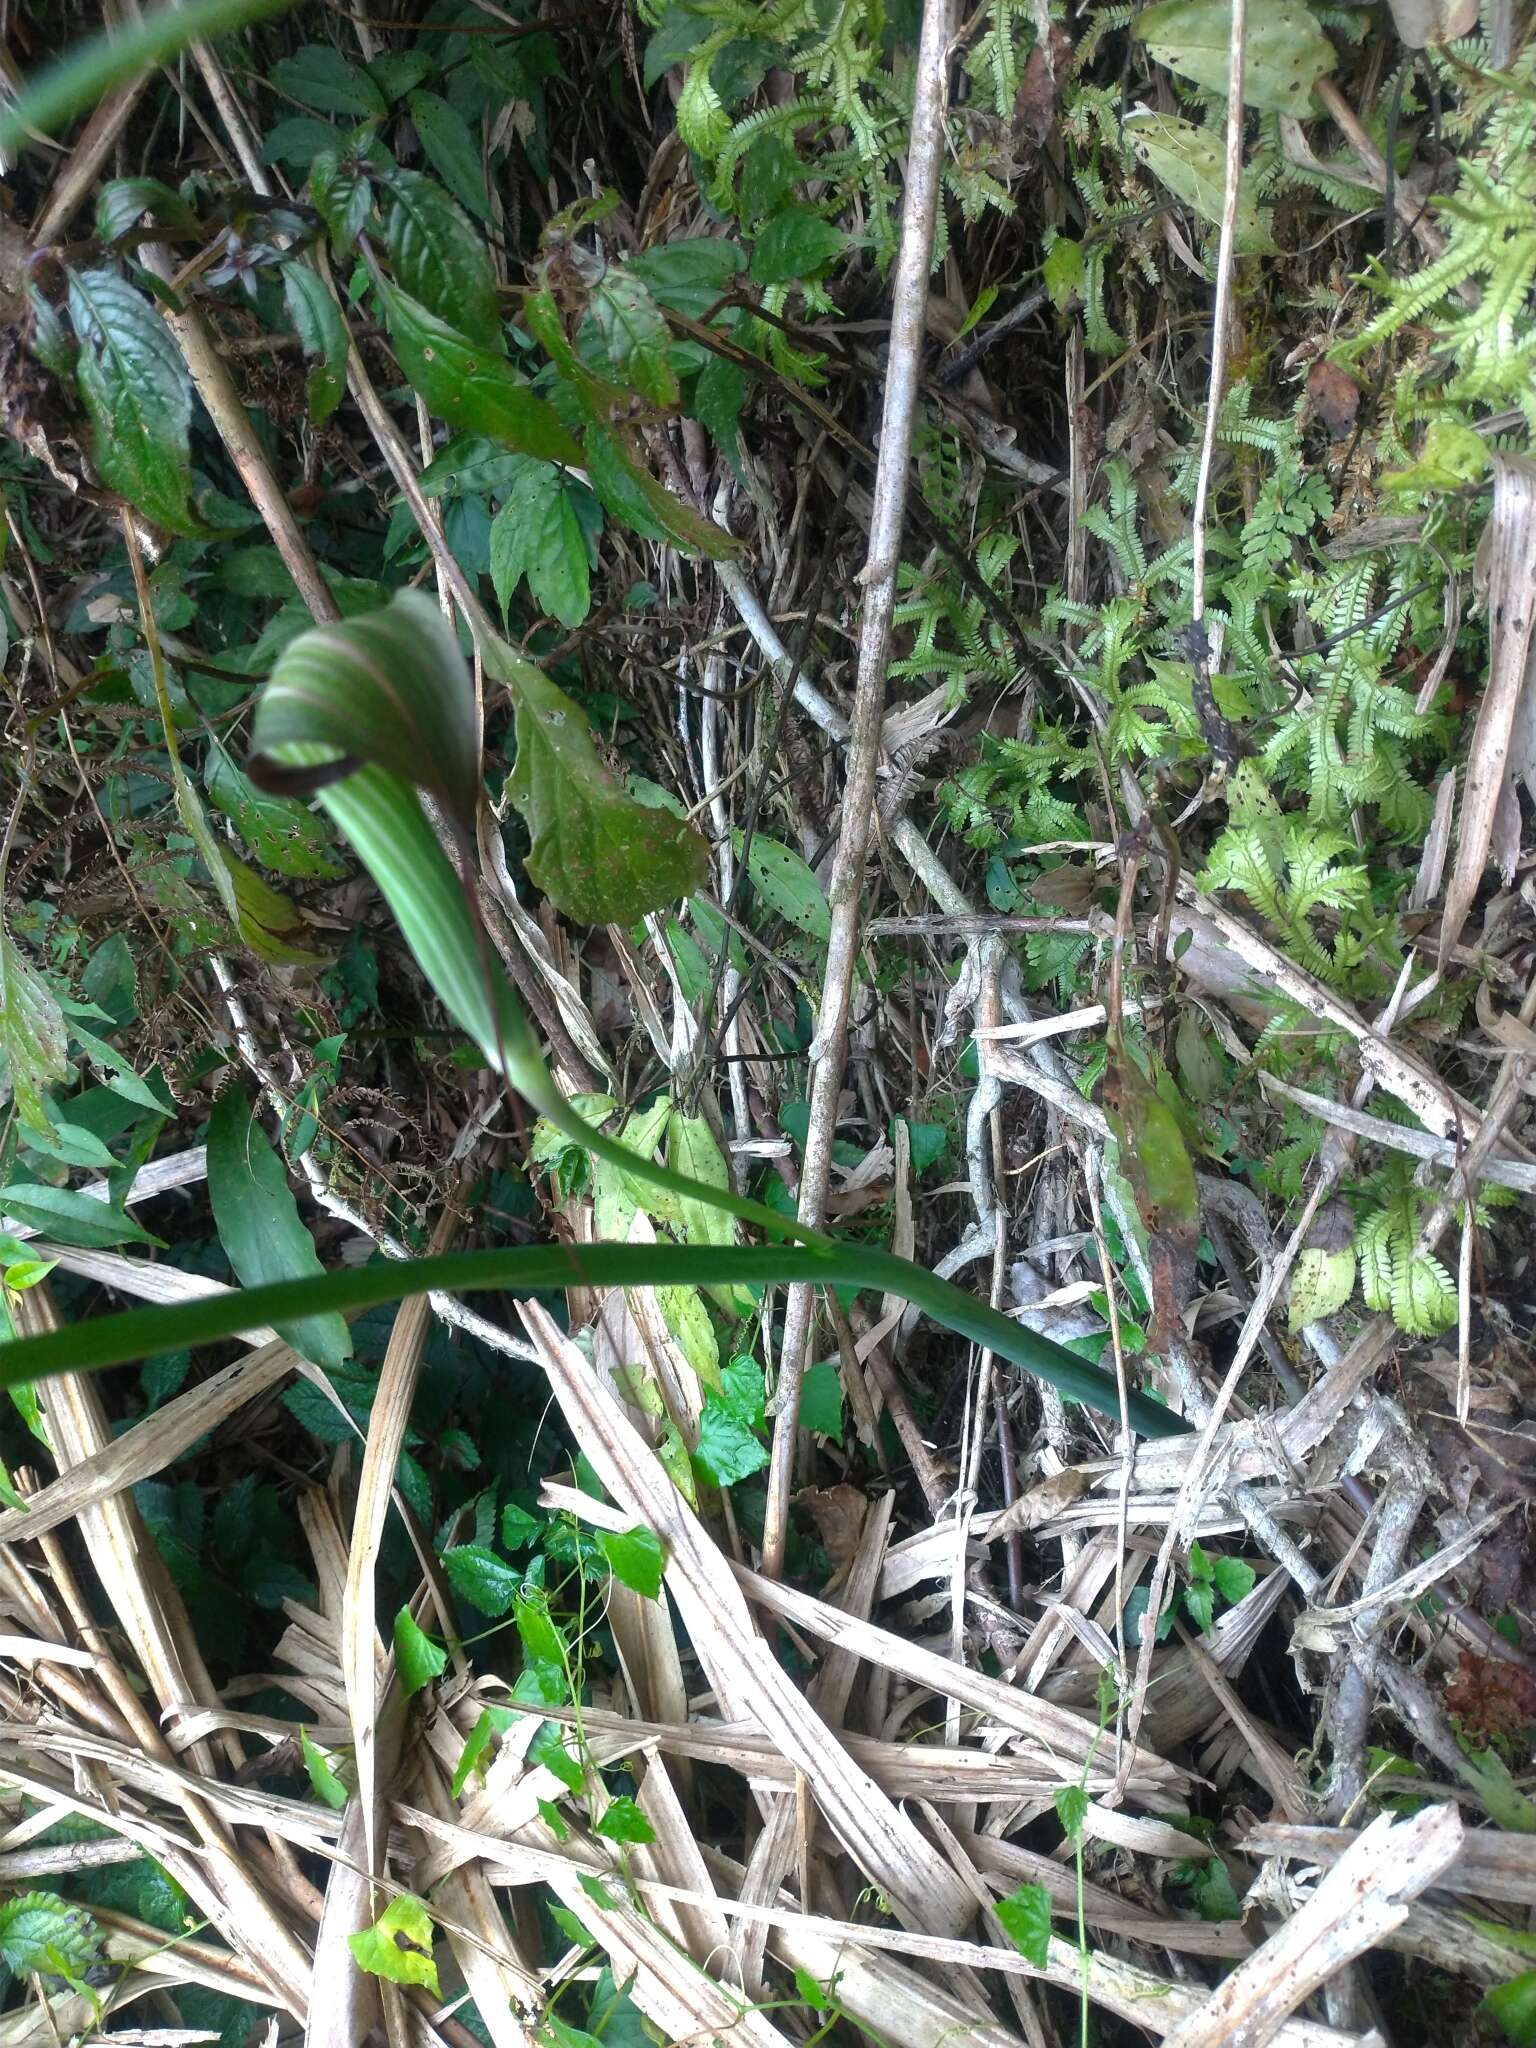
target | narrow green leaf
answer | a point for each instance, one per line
(87, 75)
(399, 1944)
(72, 1218)
(451, 150)
(1026, 1918)
(340, 192)
(1071, 1810)
(259, 1224)
(470, 385)
(439, 259)
(621, 479)
(136, 391)
(142, 1333)
(322, 332)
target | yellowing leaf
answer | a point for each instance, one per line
(1190, 161)
(1285, 52)
(1321, 1283)
(33, 1039)
(399, 1944)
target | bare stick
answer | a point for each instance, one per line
(830, 1049)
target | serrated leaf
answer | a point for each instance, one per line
(399, 1944)
(728, 1448)
(718, 397)
(1374, 1250)
(1191, 162)
(1285, 52)
(322, 332)
(538, 534)
(1423, 1296)
(136, 390)
(282, 834)
(1321, 1283)
(1026, 1918)
(451, 150)
(1200, 1606)
(634, 335)
(596, 854)
(259, 1224)
(635, 1557)
(417, 1658)
(44, 1934)
(1071, 1803)
(470, 385)
(72, 1218)
(33, 1040)
(486, 1581)
(439, 259)
(1235, 1579)
(319, 76)
(519, 1529)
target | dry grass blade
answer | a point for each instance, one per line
(884, 1844)
(1363, 1897)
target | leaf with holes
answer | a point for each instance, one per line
(597, 854)
(399, 1944)
(282, 834)
(259, 1225)
(1284, 55)
(135, 388)
(787, 885)
(538, 533)
(40, 1933)
(634, 336)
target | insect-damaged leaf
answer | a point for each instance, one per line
(1191, 163)
(1285, 52)
(33, 1040)
(596, 853)
(1156, 1162)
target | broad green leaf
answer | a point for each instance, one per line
(538, 534)
(40, 1933)
(623, 1821)
(84, 78)
(821, 1400)
(635, 1558)
(1191, 162)
(340, 192)
(545, 1676)
(451, 150)
(259, 1224)
(1200, 1567)
(486, 1581)
(33, 1039)
(319, 76)
(794, 245)
(1063, 273)
(1235, 1579)
(549, 1749)
(718, 397)
(626, 487)
(322, 332)
(136, 391)
(597, 854)
(439, 258)
(1026, 1918)
(1200, 1606)
(787, 885)
(1321, 1283)
(72, 1218)
(1285, 52)
(399, 1944)
(282, 834)
(684, 1313)
(123, 202)
(396, 72)
(325, 1782)
(689, 276)
(1513, 2006)
(634, 335)
(728, 1451)
(471, 385)
(417, 1658)
(519, 1529)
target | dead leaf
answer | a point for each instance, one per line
(838, 1512)
(1335, 398)
(1041, 1504)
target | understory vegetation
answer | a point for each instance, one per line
(965, 1105)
